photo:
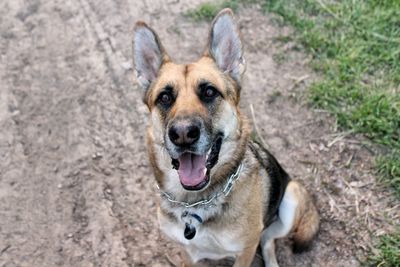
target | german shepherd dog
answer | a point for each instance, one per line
(222, 194)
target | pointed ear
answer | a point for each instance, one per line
(225, 46)
(148, 54)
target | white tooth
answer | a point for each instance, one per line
(204, 171)
(208, 153)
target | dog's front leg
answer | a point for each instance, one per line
(282, 226)
(246, 257)
(186, 259)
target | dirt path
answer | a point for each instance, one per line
(75, 184)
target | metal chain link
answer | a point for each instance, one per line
(226, 190)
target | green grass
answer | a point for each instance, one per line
(207, 11)
(356, 47)
(389, 169)
(389, 251)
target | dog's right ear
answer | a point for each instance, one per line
(148, 54)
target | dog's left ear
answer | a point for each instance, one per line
(225, 46)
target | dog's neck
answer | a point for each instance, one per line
(202, 208)
(224, 191)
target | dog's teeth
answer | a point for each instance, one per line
(208, 153)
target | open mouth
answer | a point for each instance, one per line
(194, 170)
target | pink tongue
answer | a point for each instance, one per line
(192, 169)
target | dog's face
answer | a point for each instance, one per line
(194, 107)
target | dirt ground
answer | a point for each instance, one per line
(75, 184)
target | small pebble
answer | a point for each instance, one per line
(126, 65)
(97, 155)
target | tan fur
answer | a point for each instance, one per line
(185, 79)
(158, 174)
(306, 224)
(234, 225)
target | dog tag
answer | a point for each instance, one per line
(190, 231)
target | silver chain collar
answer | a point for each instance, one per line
(225, 191)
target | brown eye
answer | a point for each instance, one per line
(208, 92)
(165, 99)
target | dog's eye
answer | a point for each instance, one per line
(165, 99)
(208, 92)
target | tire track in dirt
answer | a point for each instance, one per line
(111, 58)
(58, 177)
(26, 195)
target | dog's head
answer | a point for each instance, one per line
(194, 107)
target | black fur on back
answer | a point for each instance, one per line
(279, 179)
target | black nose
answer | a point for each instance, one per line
(184, 134)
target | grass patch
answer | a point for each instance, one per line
(389, 170)
(389, 251)
(356, 46)
(207, 11)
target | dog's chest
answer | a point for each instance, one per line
(208, 242)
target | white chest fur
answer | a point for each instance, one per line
(208, 242)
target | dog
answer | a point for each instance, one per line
(222, 194)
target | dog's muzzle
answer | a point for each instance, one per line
(194, 155)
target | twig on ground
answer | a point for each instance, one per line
(348, 162)
(256, 128)
(332, 203)
(321, 111)
(5, 249)
(298, 81)
(308, 162)
(396, 207)
(339, 137)
(354, 192)
(367, 221)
